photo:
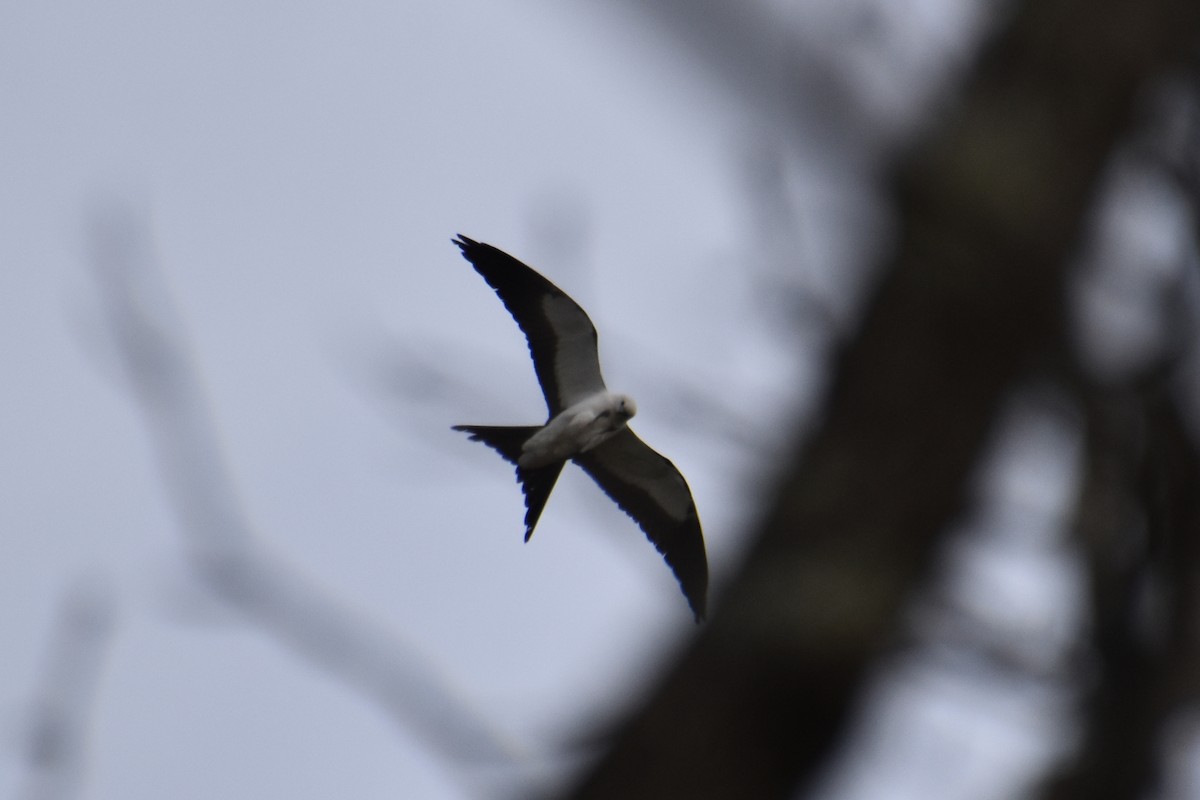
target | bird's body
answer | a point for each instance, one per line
(587, 423)
(577, 429)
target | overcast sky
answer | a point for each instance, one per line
(300, 170)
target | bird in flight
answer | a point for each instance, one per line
(586, 423)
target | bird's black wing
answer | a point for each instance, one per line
(562, 340)
(650, 489)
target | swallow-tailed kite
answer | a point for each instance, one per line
(586, 424)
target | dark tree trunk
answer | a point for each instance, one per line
(990, 211)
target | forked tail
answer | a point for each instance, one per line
(535, 483)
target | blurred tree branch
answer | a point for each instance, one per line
(796, 88)
(222, 546)
(1138, 520)
(991, 208)
(1139, 524)
(57, 732)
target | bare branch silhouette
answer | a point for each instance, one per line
(221, 543)
(1139, 525)
(991, 209)
(57, 732)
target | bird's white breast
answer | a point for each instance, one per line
(575, 430)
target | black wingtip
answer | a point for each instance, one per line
(472, 435)
(464, 243)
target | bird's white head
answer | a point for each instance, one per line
(624, 406)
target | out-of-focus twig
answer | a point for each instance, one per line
(991, 208)
(806, 91)
(1176, 150)
(1139, 525)
(223, 547)
(57, 730)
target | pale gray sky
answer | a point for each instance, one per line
(301, 169)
